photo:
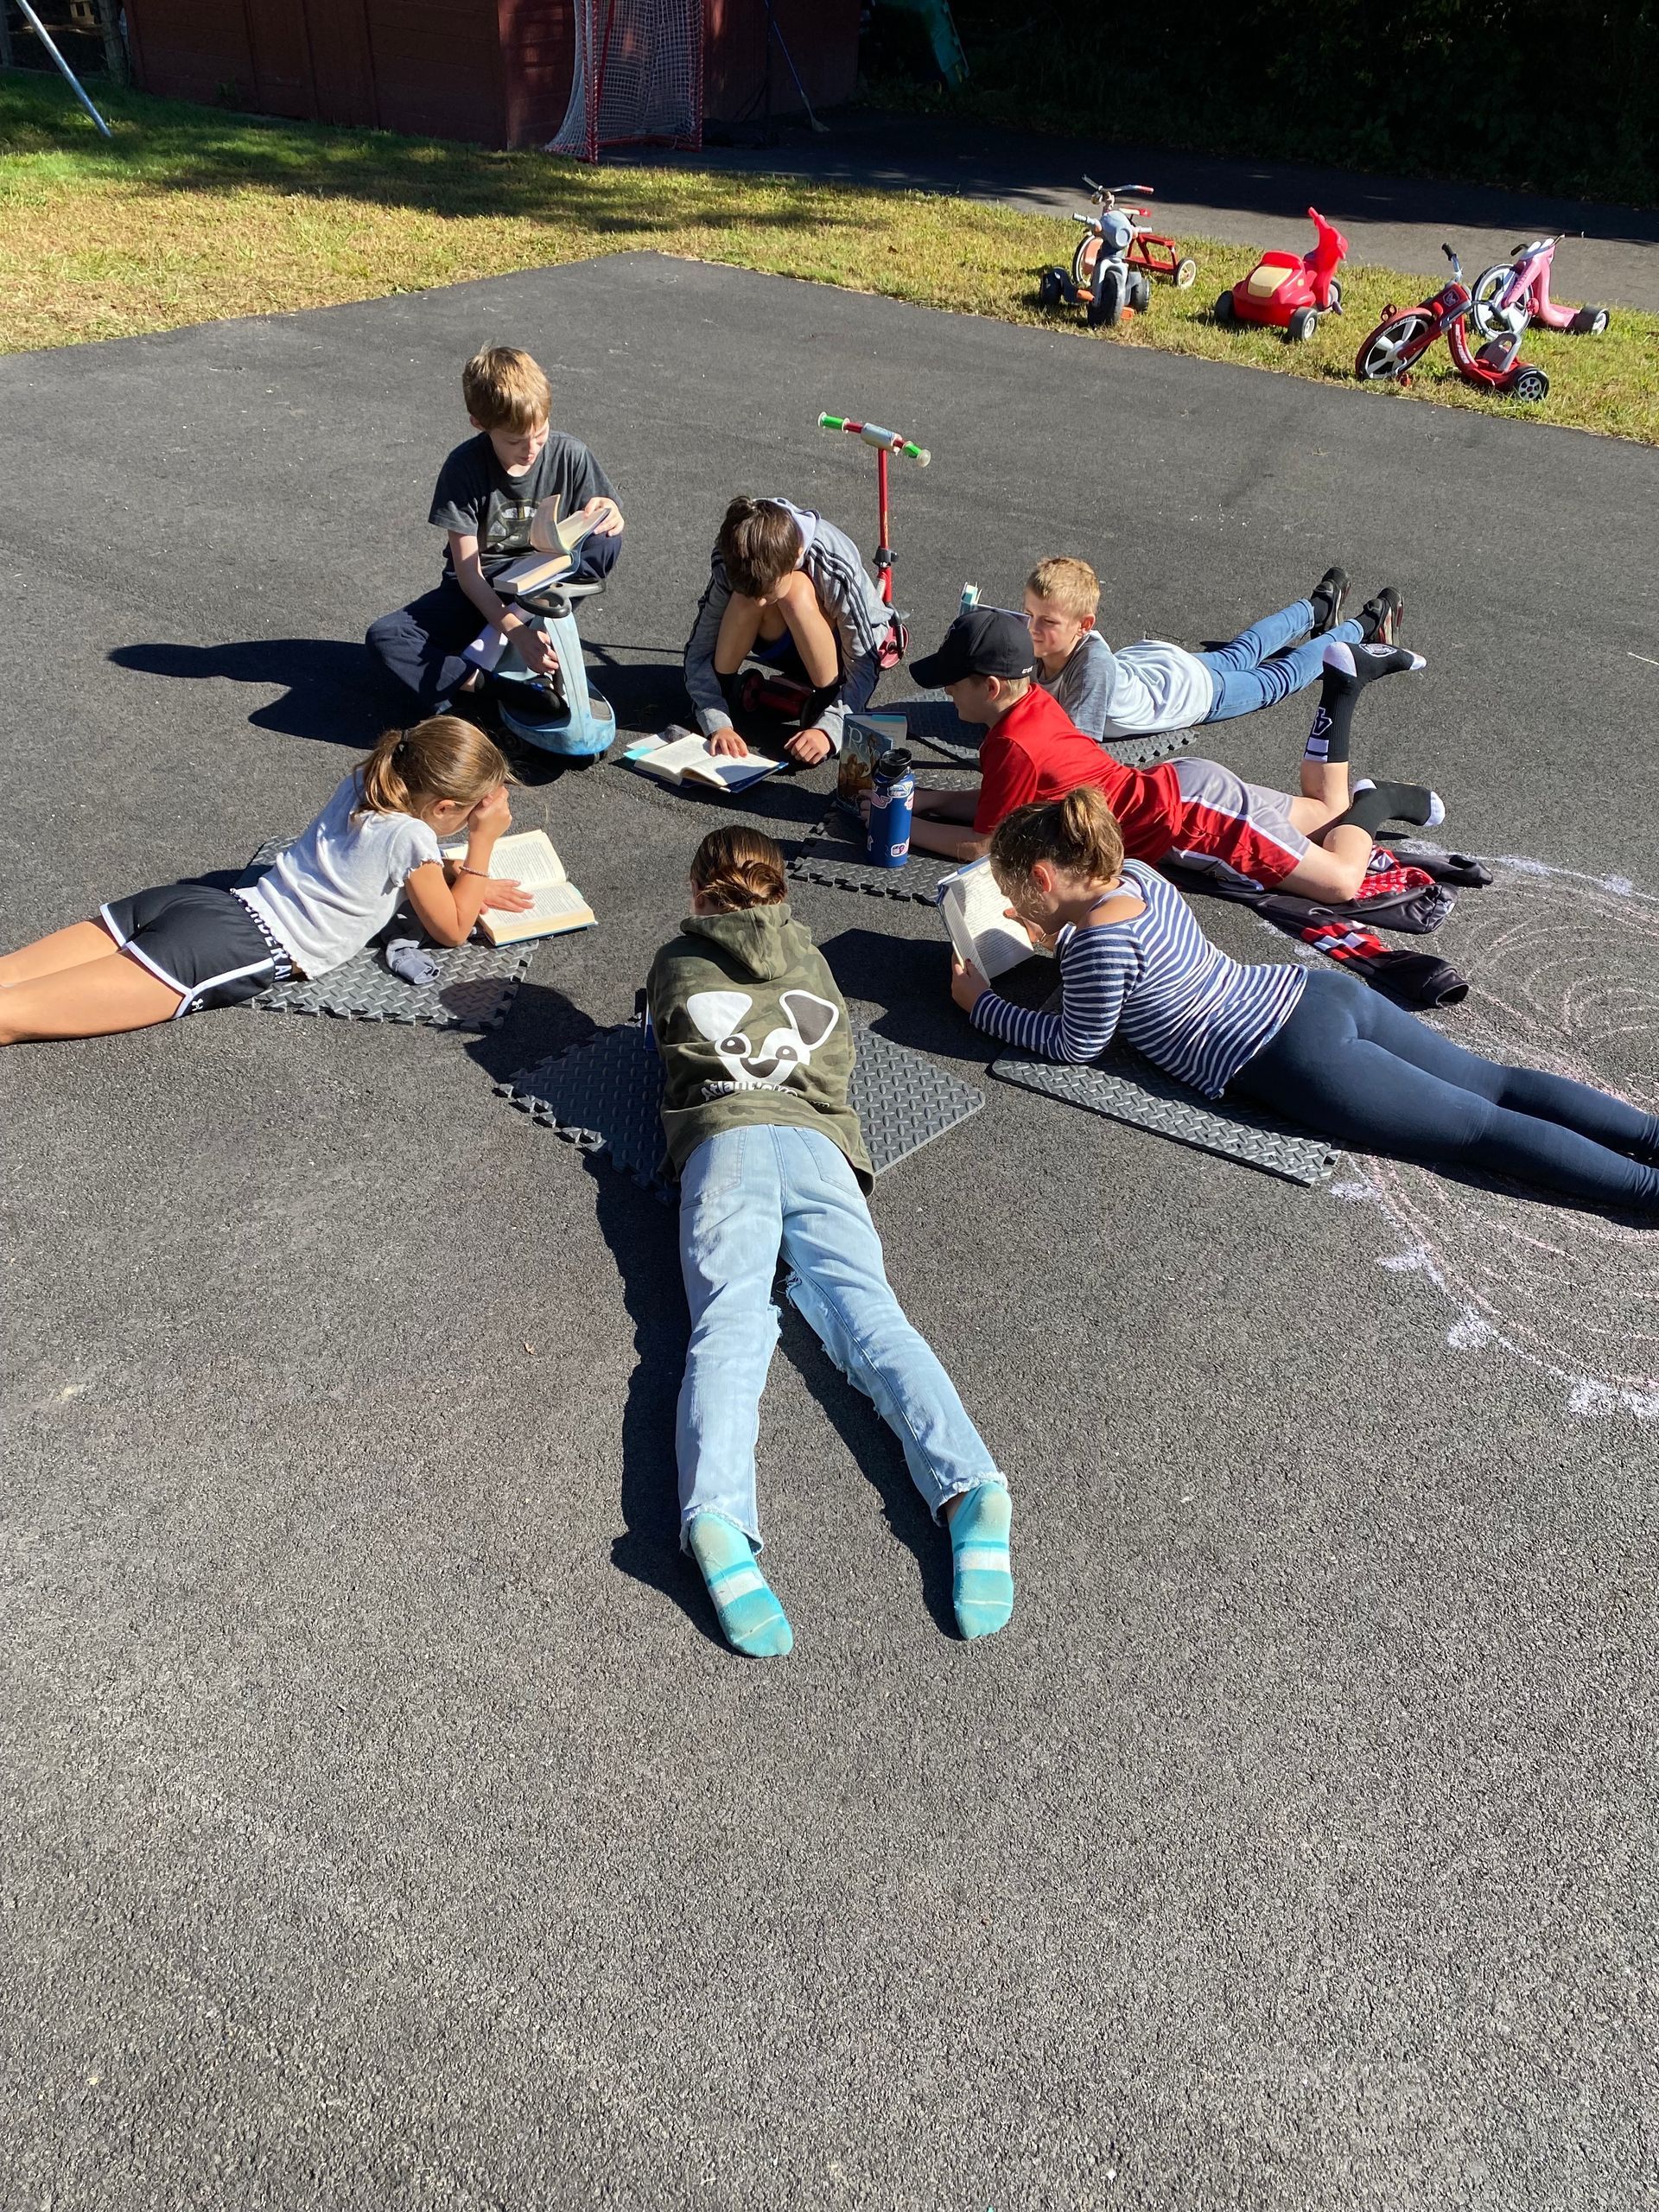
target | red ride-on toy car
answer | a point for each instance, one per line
(1290, 292)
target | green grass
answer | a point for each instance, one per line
(192, 215)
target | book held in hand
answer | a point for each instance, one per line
(680, 756)
(552, 544)
(528, 859)
(975, 908)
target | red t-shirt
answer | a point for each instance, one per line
(1036, 752)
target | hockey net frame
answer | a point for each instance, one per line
(646, 55)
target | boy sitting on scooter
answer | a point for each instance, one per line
(487, 493)
(788, 590)
(1156, 686)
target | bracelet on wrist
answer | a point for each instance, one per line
(464, 868)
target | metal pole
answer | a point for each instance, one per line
(45, 36)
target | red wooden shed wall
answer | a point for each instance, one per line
(494, 72)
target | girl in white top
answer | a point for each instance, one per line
(184, 946)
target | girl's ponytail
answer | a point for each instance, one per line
(1078, 833)
(738, 868)
(441, 758)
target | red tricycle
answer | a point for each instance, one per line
(1404, 335)
(1116, 259)
(1290, 292)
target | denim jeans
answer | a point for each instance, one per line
(1256, 670)
(1371, 1075)
(744, 1195)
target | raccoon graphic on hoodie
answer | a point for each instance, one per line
(752, 1028)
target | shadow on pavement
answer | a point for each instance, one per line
(333, 690)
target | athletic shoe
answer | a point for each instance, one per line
(1325, 599)
(1433, 815)
(1382, 617)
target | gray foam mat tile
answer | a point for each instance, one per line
(933, 720)
(1123, 1087)
(831, 854)
(474, 988)
(605, 1095)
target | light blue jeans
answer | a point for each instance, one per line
(744, 1195)
(1256, 670)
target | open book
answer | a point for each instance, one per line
(976, 914)
(682, 757)
(528, 858)
(553, 542)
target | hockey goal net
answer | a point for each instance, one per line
(638, 77)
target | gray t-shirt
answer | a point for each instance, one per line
(339, 884)
(475, 497)
(1145, 687)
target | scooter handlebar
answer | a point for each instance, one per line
(873, 435)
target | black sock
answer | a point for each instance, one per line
(1348, 669)
(1381, 802)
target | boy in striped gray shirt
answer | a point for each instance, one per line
(788, 590)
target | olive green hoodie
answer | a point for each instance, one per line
(752, 1028)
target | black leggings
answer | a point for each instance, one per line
(1352, 1065)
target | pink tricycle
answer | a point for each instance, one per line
(1511, 293)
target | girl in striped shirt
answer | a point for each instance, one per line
(1315, 1048)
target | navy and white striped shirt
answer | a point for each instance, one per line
(1158, 981)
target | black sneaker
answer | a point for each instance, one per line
(1382, 617)
(1327, 598)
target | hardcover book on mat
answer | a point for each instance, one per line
(682, 757)
(975, 912)
(528, 858)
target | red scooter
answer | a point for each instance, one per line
(1404, 335)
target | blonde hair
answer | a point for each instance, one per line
(1070, 583)
(1078, 833)
(736, 869)
(759, 542)
(504, 390)
(441, 758)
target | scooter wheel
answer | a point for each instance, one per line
(1226, 313)
(1186, 273)
(1531, 386)
(1302, 326)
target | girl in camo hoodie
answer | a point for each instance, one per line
(757, 1057)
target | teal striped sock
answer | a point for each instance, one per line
(983, 1582)
(750, 1617)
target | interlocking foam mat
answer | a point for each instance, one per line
(606, 1095)
(833, 853)
(1123, 1087)
(473, 989)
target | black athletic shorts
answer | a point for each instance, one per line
(200, 941)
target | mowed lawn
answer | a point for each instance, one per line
(192, 214)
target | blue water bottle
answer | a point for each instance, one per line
(893, 792)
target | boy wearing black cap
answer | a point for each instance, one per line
(1195, 813)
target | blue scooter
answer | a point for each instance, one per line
(558, 714)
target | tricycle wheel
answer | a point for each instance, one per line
(1051, 288)
(1186, 273)
(1531, 386)
(1486, 291)
(1392, 346)
(1302, 326)
(1082, 261)
(1589, 322)
(1110, 295)
(1226, 313)
(1140, 291)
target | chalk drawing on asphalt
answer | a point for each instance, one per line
(1563, 973)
